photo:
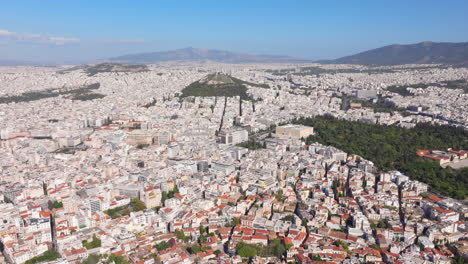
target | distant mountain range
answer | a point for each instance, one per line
(421, 53)
(15, 63)
(192, 54)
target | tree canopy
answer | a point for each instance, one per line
(394, 148)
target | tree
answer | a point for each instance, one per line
(394, 148)
(236, 221)
(92, 259)
(277, 249)
(95, 243)
(49, 255)
(54, 204)
(137, 205)
(245, 250)
(117, 259)
(202, 229)
(181, 235)
(195, 249)
(163, 245)
(44, 188)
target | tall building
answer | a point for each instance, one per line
(94, 204)
(151, 197)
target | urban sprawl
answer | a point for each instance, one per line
(125, 165)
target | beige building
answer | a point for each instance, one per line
(151, 197)
(136, 138)
(294, 131)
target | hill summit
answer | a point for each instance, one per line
(220, 84)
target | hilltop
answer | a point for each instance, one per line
(219, 84)
(421, 53)
(92, 70)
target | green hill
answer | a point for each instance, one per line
(394, 148)
(219, 84)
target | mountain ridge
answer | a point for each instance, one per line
(426, 52)
(194, 54)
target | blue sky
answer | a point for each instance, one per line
(87, 30)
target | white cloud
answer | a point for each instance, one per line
(35, 38)
(56, 40)
(5, 33)
(131, 40)
(62, 40)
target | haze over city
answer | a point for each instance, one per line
(164, 132)
(83, 31)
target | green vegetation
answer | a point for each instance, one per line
(380, 106)
(204, 235)
(245, 250)
(274, 249)
(181, 235)
(252, 145)
(304, 71)
(87, 96)
(106, 259)
(195, 248)
(117, 259)
(279, 196)
(49, 255)
(44, 188)
(261, 85)
(92, 259)
(55, 204)
(380, 224)
(150, 104)
(80, 93)
(114, 67)
(235, 221)
(168, 195)
(208, 90)
(401, 90)
(95, 243)
(342, 244)
(336, 194)
(289, 218)
(142, 146)
(219, 84)
(383, 107)
(134, 206)
(394, 148)
(455, 84)
(162, 245)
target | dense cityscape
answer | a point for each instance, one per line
(183, 162)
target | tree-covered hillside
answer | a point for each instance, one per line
(393, 148)
(219, 84)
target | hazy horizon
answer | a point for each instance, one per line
(86, 31)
